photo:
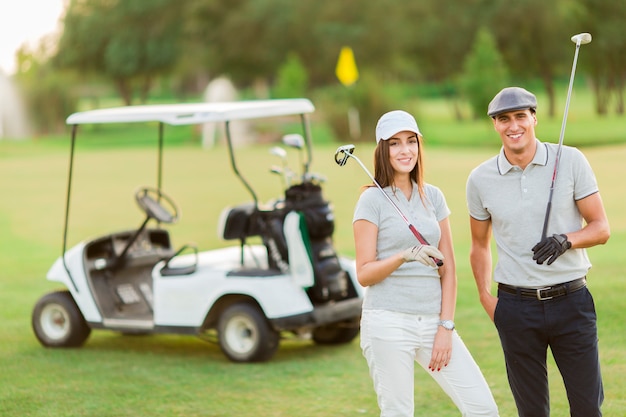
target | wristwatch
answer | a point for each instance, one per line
(447, 324)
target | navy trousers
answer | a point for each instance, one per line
(567, 325)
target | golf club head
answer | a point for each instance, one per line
(274, 169)
(315, 178)
(294, 140)
(581, 38)
(343, 153)
(278, 151)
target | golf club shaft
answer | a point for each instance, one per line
(415, 232)
(578, 39)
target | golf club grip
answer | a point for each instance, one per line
(423, 241)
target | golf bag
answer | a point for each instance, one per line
(331, 281)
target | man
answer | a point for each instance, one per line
(542, 297)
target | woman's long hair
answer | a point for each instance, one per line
(383, 171)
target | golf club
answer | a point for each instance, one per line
(341, 157)
(580, 39)
(274, 169)
(314, 178)
(295, 140)
(282, 154)
(279, 152)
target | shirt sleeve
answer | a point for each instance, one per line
(367, 207)
(438, 200)
(585, 182)
(474, 201)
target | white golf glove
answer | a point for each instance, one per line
(423, 254)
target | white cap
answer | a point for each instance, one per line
(393, 122)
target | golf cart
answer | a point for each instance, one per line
(248, 295)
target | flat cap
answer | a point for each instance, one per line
(512, 98)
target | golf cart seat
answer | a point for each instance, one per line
(246, 220)
(238, 222)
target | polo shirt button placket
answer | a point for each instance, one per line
(523, 184)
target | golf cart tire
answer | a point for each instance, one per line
(336, 333)
(245, 335)
(57, 321)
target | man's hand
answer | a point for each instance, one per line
(550, 248)
(489, 303)
(423, 254)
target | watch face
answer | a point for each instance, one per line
(447, 324)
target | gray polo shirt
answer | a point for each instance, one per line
(515, 200)
(412, 288)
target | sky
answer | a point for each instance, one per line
(25, 21)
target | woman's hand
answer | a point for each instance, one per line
(423, 254)
(442, 349)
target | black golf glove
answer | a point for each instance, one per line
(550, 248)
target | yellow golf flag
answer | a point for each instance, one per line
(346, 70)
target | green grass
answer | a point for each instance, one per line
(117, 376)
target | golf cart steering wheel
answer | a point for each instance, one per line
(150, 199)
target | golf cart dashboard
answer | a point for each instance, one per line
(149, 247)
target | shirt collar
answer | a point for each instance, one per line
(394, 191)
(540, 158)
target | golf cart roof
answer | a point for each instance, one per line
(194, 113)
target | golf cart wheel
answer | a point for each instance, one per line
(336, 333)
(57, 321)
(245, 335)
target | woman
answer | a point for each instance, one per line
(408, 310)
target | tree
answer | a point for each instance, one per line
(250, 39)
(129, 42)
(47, 92)
(533, 37)
(246, 39)
(484, 72)
(605, 57)
(438, 36)
(424, 43)
(292, 79)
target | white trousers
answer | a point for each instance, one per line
(392, 342)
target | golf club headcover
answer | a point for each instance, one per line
(423, 254)
(550, 248)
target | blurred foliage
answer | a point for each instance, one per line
(483, 71)
(365, 101)
(283, 48)
(533, 37)
(130, 42)
(606, 62)
(292, 79)
(50, 95)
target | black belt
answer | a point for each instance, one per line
(545, 293)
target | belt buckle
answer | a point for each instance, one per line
(539, 297)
